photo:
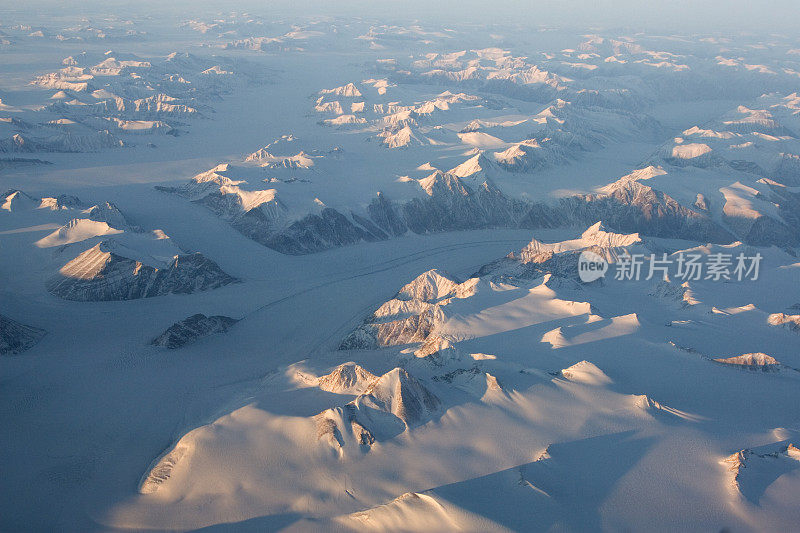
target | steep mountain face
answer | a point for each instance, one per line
(15, 338)
(413, 328)
(527, 156)
(780, 233)
(129, 263)
(100, 220)
(193, 328)
(453, 205)
(100, 274)
(413, 315)
(561, 259)
(629, 206)
(313, 233)
(390, 404)
(15, 200)
(110, 214)
(476, 166)
(399, 393)
(59, 142)
(431, 286)
(786, 169)
(346, 91)
(347, 378)
(449, 203)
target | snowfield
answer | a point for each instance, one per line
(299, 272)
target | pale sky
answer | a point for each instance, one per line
(672, 15)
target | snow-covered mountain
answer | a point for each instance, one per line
(494, 269)
(451, 203)
(107, 271)
(389, 404)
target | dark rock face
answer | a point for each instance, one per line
(633, 207)
(317, 232)
(452, 205)
(385, 217)
(456, 204)
(15, 337)
(111, 215)
(101, 275)
(192, 328)
(765, 231)
(788, 203)
(786, 170)
(61, 142)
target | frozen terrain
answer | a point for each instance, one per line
(315, 269)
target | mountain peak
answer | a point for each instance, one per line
(597, 235)
(347, 378)
(429, 286)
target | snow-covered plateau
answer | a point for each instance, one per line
(306, 268)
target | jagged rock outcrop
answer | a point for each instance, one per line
(414, 328)
(791, 322)
(411, 316)
(15, 338)
(471, 379)
(161, 470)
(679, 292)
(746, 466)
(752, 361)
(193, 328)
